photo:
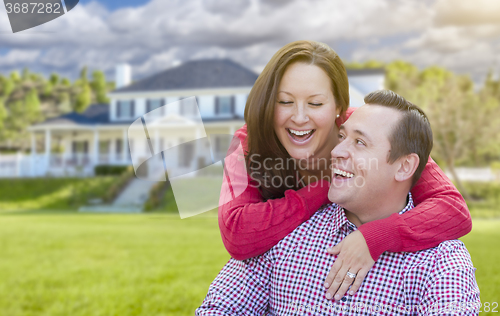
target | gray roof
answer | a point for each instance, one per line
(196, 74)
(98, 114)
(94, 114)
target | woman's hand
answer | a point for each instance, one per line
(354, 257)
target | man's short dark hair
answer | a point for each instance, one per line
(412, 134)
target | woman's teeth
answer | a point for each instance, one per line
(300, 133)
(343, 173)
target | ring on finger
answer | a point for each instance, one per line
(351, 275)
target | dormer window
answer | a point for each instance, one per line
(224, 105)
(125, 109)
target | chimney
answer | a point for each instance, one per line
(123, 75)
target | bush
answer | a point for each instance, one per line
(119, 184)
(486, 198)
(156, 195)
(109, 170)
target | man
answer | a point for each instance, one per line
(384, 147)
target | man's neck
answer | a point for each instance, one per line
(376, 211)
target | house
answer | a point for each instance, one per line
(104, 135)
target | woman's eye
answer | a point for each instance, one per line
(285, 102)
(316, 104)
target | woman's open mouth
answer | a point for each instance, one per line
(300, 136)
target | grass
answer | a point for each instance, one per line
(52, 193)
(80, 264)
(148, 264)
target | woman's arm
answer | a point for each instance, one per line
(440, 214)
(249, 226)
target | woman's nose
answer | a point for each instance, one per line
(300, 116)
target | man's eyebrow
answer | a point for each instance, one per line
(357, 131)
(362, 134)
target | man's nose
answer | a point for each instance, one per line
(340, 151)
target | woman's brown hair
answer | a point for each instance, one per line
(259, 113)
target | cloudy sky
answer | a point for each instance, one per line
(462, 35)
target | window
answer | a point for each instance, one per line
(104, 147)
(125, 109)
(224, 105)
(154, 104)
(79, 147)
(186, 154)
(188, 107)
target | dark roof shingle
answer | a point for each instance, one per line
(196, 74)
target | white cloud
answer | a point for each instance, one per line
(152, 36)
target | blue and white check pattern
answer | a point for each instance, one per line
(288, 279)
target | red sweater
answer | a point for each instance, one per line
(249, 226)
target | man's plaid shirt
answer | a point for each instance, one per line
(288, 279)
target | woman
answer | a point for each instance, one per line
(292, 115)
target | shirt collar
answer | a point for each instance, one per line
(340, 220)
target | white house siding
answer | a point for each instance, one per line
(206, 103)
(140, 107)
(112, 110)
(367, 83)
(241, 100)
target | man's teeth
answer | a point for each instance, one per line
(300, 133)
(343, 173)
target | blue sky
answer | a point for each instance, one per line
(461, 35)
(116, 4)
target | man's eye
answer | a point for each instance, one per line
(341, 137)
(360, 142)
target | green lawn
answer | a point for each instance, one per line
(73, 264)
(52, 193)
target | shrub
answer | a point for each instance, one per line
(109, 170)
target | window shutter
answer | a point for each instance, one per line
(73, 147)
(132, 108)
(85, 147)
(216, 105)
(148, 106)
(118, 108)
(232, 104)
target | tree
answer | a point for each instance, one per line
(99, 86)
(463, 121)
(3, 114)
(8, 86)
(32, 106)
(83, 98)
(83, 75)
(64, 103)
(54, 79)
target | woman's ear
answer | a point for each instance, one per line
(407, 167)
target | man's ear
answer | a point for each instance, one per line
(407, 167)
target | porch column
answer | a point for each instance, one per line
(125, 146)
(96, 147)
(157, 142)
